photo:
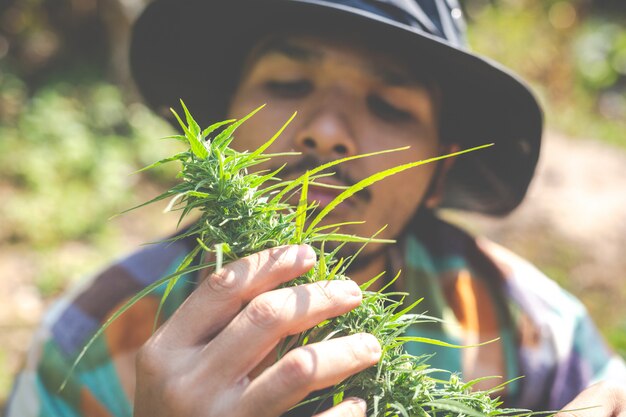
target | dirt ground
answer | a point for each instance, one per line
(572, 225)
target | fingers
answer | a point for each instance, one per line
(272, 316)
(603, 399)
(350, 407)
(221, 295)
(307, 369)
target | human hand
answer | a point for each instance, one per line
(199, 362)
(599, 400)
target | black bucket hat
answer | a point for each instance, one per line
(194, 50)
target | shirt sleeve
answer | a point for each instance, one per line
(561, 352)
(92, 390)
(585, 361)
(102, 383)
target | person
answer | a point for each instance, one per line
(364, 75)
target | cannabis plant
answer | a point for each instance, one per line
(241, 211)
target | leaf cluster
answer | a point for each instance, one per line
(242, 211)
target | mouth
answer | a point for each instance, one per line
(323, 193)
(325, 188)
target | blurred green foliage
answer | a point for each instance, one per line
(573, 54)
(65, 158)
(67, 153)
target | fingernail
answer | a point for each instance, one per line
(352, 288)
(358, 402)
(306, 253)
(371, 343)
(347, 290)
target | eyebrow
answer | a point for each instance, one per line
(289, 49)
(306, 54)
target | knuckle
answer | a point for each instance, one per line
(298, 367)
(353, 410)
(270, 259)
(175, 395)
(275, 255)
(325, 291)
(254, 261)
(262, 312)
(149, 359)
(362, 348)
(224, 281)
(356, 352)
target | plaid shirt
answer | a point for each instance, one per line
(481, 291)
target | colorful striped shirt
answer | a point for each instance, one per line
(481, 290)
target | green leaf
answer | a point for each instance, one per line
(391, 282)
(369, 283)
(262, 179)
(331, 164)
(321, 264)
(430, 341)
(401, 313)
(206, 132)
(337, 226)
(454, 406)
(195, 142)
(379, 231)
(341, 237)
(336, 268)
(194, 128)
(338, 398)
(267, 144)
(172, 282)
(163, 196)
(301, 210)
(400, 409)
(178, 157)
(378, 177)
(228, 132)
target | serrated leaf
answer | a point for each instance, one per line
(455, 407)
(378, 177)
(436, 342)
(341, 237)
(267, 144)
(228, 132)
(196, 145)
(178, 157)
(206, 132)
(194, 128)
(172, 282)
(301, 210)
(331, 164)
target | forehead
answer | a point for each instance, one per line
(316, 50)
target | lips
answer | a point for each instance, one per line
(324, 195)
(323, 192)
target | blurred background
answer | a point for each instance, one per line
(73, 130)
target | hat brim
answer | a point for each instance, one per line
(194, 50)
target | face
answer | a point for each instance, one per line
(349, 102)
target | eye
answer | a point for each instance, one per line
(289, 89)
(386, 111)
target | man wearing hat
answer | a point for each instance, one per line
(364, 75)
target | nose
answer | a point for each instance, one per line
(328, 134)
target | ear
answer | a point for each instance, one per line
(435, 193)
